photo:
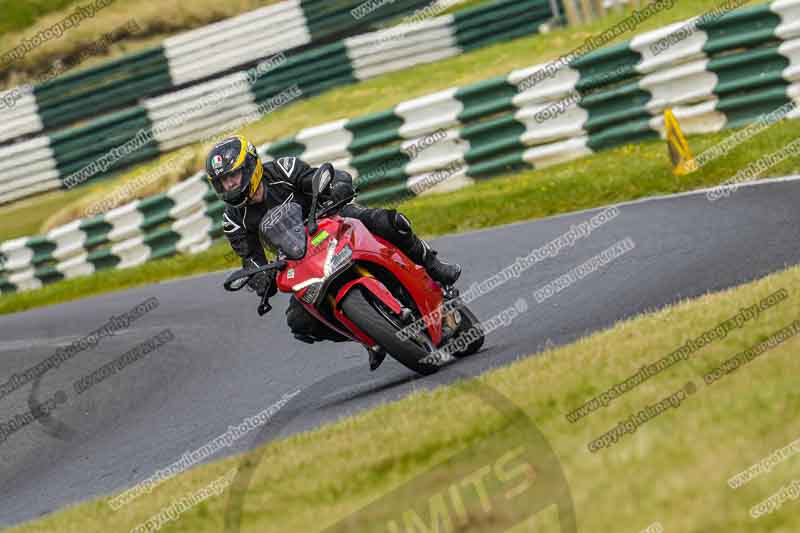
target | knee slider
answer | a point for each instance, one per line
(296, 320)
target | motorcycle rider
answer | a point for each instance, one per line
(250, 188)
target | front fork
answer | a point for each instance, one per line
(452, 320)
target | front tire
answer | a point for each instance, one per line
(365, 314)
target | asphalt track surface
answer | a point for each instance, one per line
(226, 363)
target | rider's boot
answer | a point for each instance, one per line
(421, 253)
(376, 357)
(445, 273)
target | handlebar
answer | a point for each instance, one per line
(237, 280)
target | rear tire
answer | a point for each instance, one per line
(469, 322)
(363, 313)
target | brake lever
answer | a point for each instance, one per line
(264, 307)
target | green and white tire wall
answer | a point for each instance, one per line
(180, 93)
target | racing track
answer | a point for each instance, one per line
(227, 364)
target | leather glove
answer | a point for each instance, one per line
(263, 283)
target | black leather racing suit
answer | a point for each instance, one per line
(290, 178)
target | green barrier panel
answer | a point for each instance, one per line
(103, 101)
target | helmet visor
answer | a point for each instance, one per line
(229, 182)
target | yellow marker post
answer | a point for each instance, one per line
(679, 152)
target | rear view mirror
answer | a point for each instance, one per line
(322, 178)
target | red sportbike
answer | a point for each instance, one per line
(363, 286)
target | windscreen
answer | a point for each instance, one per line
(283, 228)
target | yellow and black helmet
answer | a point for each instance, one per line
(229, 156)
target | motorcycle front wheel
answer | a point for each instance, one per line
(372, 318)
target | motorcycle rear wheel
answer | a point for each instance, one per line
(470, 327)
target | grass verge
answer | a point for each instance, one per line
(673, 469)
(18, 16)
(593, 181)
(386, 91)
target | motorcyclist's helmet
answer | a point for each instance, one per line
(228, 157)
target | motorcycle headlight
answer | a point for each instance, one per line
(336, 262)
